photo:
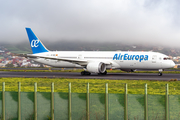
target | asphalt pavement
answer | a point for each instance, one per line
(111, 76)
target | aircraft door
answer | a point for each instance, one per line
(160, 61)
(154, 58)
(156, 62)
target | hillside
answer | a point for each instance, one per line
(91, 46)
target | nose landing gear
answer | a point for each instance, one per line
(160, 72)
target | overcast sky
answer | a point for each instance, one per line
(137, 21)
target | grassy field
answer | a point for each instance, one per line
(96, 85)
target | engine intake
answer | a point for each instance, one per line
(96, 67)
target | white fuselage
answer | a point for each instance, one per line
(112, 59)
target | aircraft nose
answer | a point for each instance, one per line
(172, 64)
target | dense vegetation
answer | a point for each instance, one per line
(18, 48)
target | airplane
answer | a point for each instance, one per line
(97, 61)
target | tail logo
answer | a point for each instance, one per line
(34, 43)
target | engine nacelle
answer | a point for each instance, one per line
(96, 67)
(128, 70)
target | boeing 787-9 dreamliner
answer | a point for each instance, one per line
(97, 61)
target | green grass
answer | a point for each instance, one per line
(18, 49)
(96, 85)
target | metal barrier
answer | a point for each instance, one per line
(87, 106)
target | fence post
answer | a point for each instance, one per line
(19, 100)
(106, 105)
(35, 101)
(3, 101)
(87, 102)
(69, 109)
(167, 103)
(125, 103)
(145, 103)
(52, 101)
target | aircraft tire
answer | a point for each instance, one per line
(105, 73)
(82, 73)
(160, 74)
(88, 73)
(85, 73)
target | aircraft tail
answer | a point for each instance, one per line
(36, 45)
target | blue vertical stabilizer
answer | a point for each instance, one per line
(36, 45)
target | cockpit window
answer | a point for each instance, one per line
(167, 58)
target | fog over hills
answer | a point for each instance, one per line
(65, 45)
(125, 21)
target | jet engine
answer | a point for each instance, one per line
(96, 67)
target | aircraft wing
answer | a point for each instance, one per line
(81, 62)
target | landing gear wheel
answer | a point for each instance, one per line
(82, 73)
(160, 74)
(104, 73)
(85, 73)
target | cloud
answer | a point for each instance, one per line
(148, 21)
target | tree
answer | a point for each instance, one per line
(9, 65)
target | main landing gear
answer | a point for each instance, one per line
(88, 73)
(105, 73)
(160, 72)
(85, 73)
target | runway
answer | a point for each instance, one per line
(111, 76)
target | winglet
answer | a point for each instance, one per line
(36, 45)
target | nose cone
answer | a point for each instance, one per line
(172, 64)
